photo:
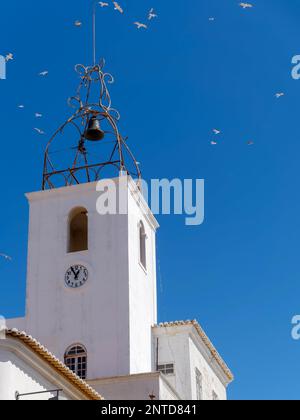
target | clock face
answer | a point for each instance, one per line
(76, 276)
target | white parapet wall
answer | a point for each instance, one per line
(136, 387)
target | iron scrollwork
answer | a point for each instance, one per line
(87, 163)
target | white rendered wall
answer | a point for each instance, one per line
(211, 383)
(15, 375)
(23, 371)
(177, 345)
(142, 291)
(173, 347)
(98, 315)
(135, 387)
(165, 394)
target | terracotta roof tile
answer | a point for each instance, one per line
(55, 363)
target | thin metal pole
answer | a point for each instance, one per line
(51, 391)
(94, 33)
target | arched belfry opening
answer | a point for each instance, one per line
(78, 230)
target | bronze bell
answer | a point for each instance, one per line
(94, 132)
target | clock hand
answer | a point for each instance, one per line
(73, 271)
(77, 274)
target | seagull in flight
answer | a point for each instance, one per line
(44, 73)
(9, 57)
(118, 7)
(103, 4)
(246, 5)
(216, 132)
(213, 143)
(78, 23)
(152, 14)
(38, 115)
(140, 25)
(6, 257)
(21, 106)
(279, 95)
(38, 130)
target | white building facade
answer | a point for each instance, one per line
(91, 299)
(29, 372)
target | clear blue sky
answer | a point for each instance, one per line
(238, 273)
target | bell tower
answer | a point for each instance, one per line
(91, 280)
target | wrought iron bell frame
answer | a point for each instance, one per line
(120, 157)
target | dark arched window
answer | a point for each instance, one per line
(142, 240)
(76, 360)
(78, 230)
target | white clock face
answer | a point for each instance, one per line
(76, 276)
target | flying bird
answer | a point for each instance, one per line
(246, 5)
(118, 7)
(213, 143)
(103, 4)
(21, 106)
(250, 143)
(78, 23)
(9, 57)
(38, 130)
(279, 95)
(44, 73)
(6, 257)
(152, 14)
(140, 25)
(216, 132)
(211, 19)
(38, 115)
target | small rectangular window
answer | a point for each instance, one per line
(166, 369)
(199, 385)
(142, 240)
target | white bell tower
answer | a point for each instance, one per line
(110, 306)
(91, 281)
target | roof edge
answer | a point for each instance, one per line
(214, 353)
(52, 360)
